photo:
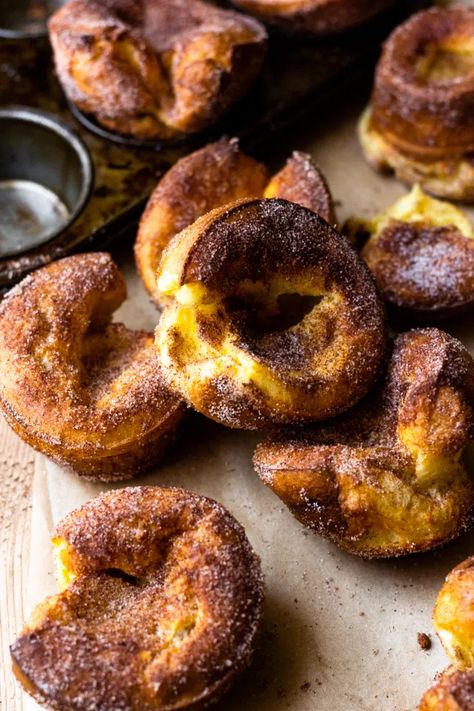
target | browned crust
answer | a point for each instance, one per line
(314, 17)
(302, 182)
(452, 691)
(423, 269)
(211, 177)
(423, 118)
(258, 242)
(86, 392)
(155, 68)
(357, 480)
(171, 631)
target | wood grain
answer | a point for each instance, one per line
(17, 462)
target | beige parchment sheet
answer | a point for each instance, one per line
(340, 634)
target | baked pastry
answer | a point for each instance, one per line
(314, 17)
(453, 619)
(420, 123)
(421, 253)
(84, 391)
(386, 478)
(453, 691)
(160, 603)
(211, 177)
(155, 69)
(272, 318)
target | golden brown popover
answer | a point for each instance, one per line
(420, 121)
(386, 478)
(453, 619)
(155, 69)
(453, 691)
(160, 603)
(87, 392)
(421, 253)
(273, 317)
(213, 176)
(314, 17)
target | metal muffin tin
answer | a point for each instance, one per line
(298, 78)
(46, 177)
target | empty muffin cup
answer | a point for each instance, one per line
(26, 19)
(46, 176)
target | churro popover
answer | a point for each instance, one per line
(272, 316)
(155, 69)
(421, 253)
(84, 391)
(386, 478)
(314, 17)
(160, 603)
(453, 619)
(213, 176)
(419, 124)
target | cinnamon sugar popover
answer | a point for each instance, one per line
(386, 478)
(273, 317)
(421, 253)
(84, 391)
(155, 69)
(453, 619)
(420, 122)
(211, 177)
(314, 17)
(160, 603)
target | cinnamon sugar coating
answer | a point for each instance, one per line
(86, 392)
(272, 316)
(420, 123)
(161, 603)
(386, 478)
(155, 69)
(314, 17)
(424, 269)
(421, 253)
(211, 177)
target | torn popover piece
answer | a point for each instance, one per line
(419, 123)
(314, 17)
(272, 316)
(86, 392)
(211, 177)
(155, 69)
(421, 253)
(453, 619)
(160, 605)
(386, 478)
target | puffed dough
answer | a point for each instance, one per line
(160, 604)
(86, 392)
(386, 478)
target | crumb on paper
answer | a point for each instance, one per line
(424, 641)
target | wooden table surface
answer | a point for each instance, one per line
(17, 464)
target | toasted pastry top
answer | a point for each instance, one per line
(270, 311)
(423, 98)
(155, 68)
(73, 384)
(386, 478)
(421, 252)
(160, 604)
(211, 177)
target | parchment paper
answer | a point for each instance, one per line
(339, 633)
